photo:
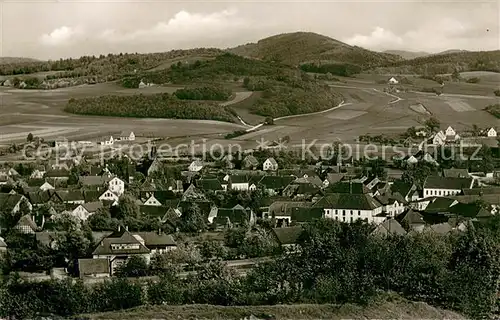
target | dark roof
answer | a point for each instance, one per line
(153, 211)
(285, 208)
(91, 195)
(435, 182)
(238, 178)
(288, 235)
(411, 217)
(347, 201)
(276, 182)
(72, 195)
(439, 205)
(306, 214)
(348, 187)
(92, 206)
(469, 210)
(238, 215)
(389, 226)
(456, 173)
(9, 201)
(93, 266)
(57, 173)
(334, 177)
(210, 184)
(402, 187)
(155, 239)
(481, 191)
(93, 180)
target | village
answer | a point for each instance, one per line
(156, 206)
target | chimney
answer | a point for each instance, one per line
(126, 228)
(159, 231)
(119, 228)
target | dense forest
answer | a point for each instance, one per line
(334, 263)
(103, 65)
(149, 106)
(213, 92)
(338, 69)
(224, 67)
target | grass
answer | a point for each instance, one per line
(391, 307)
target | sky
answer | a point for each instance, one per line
(69, 28)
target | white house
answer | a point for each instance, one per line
(37, 174)
(435, 186)
(195, 166)
(270, 165)
(109, 196)
(46, 186)
(152, 201)
(84, 211)
(393, 81)
(347, 207)
(107, 142)
(491, 133)
(239, 182)
(127, 136)
(117, 186)
(450, 131)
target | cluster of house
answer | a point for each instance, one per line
(451, 136)
(123, 136)
(445, 202)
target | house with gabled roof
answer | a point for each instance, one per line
(195, 166)
(250, 162)
(235, 216)
(238, 182)
(127, 136)
(270, 164)
(489, 132)
(442, 186)
(119, 246)
(350, 207)
(46, 186)
(84, 211)
(456, 173)
(13, 202)
(332, 178)
(26, 225)
(389, 227)
(275, 184)
(213, 185)
(412, 219)
(109, 196)
(288, 237)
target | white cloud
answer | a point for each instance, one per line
(183, 26)
(379, 38)
(60, 36)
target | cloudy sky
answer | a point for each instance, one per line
(64, 28)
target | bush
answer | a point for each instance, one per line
(338, 69)
(497, 92)
(235, 134)
(473, 80)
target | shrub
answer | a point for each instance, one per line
(473, 80)
(218, 93)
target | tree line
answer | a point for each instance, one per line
(333, 263)
(213, 92)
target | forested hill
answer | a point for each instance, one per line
(307, 47)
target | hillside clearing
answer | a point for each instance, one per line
(388, 310)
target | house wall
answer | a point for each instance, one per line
(352, 215)
(152, 201)
(267, 165)
(117, 186)
(239, 186)
(430, 192)
(81, 213)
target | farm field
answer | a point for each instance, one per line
(41, 112)
(366, 110)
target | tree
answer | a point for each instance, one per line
(193, 220)
(127, 207)
(433, 124)
(30, 137)
(269, 121)
(134, 266)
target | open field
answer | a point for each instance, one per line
(367, 110)
(43, 112)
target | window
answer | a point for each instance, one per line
(343, 212)
(351, 219)
(359, 212)
(351, 213)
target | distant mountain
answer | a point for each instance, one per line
(407, 54)
(9, 60)
(307, 47)
(452, 51)
(446, 62)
